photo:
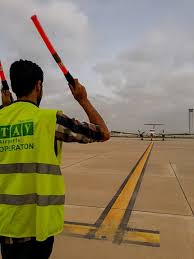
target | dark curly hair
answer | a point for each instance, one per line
(24, 75)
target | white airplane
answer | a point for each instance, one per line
(152, 132)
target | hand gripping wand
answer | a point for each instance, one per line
(52, 50)
(4, 83)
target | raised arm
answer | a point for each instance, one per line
(80, 94)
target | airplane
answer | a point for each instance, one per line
(152, 132)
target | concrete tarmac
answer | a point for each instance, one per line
(162, 209)
(128, 199)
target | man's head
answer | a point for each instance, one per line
(26, 80)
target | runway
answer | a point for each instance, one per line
(128, 198)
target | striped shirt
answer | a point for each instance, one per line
(72, 130)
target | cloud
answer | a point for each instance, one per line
(152, 82)
(136, 71)
(67, 27)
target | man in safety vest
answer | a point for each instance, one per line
(32, 191)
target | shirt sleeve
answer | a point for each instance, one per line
(71, 130)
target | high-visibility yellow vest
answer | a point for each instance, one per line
(32, 190)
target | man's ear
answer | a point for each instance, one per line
(38, 86)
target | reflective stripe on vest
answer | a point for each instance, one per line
(29, 168)
(41, 200)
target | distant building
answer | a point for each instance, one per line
(190, 121)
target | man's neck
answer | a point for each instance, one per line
(28, 99)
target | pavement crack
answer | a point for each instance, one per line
(78, 162)
(83, 160)
(163, 213)
(181, 188)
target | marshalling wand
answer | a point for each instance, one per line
(52, 50)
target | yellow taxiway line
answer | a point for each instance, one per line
(111, 226)
(111, 222)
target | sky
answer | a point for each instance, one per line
(135, 58)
